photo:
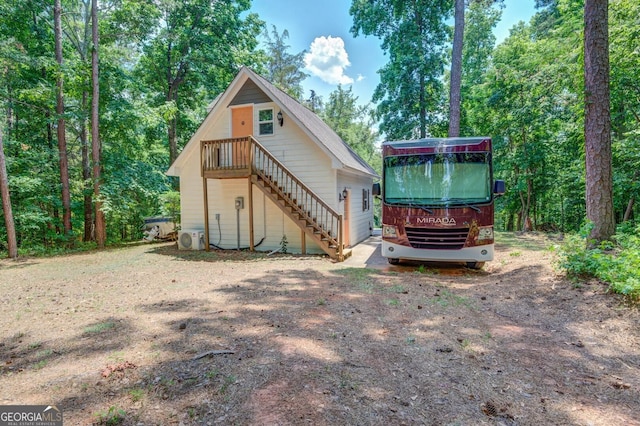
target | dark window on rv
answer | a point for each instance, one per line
(438, 179)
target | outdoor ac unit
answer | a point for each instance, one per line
(191, 240)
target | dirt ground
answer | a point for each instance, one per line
(149, 335)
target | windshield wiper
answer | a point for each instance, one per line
(423, 208)
(464, 203)
(411, 205)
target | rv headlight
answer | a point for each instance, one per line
(389, 231)
(485, 233)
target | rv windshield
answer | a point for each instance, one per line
(437, 179)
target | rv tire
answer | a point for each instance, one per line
(475, 265)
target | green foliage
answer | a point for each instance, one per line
(529, 100)
(283, 69)
(209, 42)
(283, 244)
(616, 263)
(480, 18)
(136, 394)
(410, 96)
(576, 259)
(99, 328)
(162, 62)
(192, 56)
(112, 417)
(171, 205)
(354, 124)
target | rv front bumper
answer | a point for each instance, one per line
(467, 254)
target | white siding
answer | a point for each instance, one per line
(268, 220)
(293, 148)
(191, 201)
(361, 221)
(277, 224)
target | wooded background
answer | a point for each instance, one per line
(151, 67)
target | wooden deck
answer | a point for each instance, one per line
(247, 158)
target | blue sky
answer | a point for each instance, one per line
(334, 56)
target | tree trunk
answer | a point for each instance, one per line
(510, 222)
(12, 243)
(86, 173)
(629, 211)
(561, 213)
(62, 143)
(100, 229)
(526, 223)
(456, 70)
(423, 109)
(597, 131)
(55, 211)
(172, 131)
(173, 139)
(423, 84)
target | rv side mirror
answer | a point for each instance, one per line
(499, 187)
(376, 189)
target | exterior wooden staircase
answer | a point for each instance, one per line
(246, 157)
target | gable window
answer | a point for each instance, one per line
(265, 121)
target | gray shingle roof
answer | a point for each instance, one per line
(316, 128)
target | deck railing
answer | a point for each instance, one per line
(232, 157)
(226, 157)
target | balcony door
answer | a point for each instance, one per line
(242, 121)
(241, 126)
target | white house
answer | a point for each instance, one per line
(263, 169)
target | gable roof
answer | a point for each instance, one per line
(317, 129)
(308, 121)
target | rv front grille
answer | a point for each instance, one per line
(437, 238)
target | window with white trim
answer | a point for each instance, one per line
(265, 122)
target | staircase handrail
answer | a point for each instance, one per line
(299, 196)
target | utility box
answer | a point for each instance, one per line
(239, 203)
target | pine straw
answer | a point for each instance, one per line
(315, 342)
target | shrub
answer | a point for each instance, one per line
(616, 262)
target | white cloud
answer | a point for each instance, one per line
(360, 78)
(327, 59)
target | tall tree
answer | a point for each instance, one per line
(101, 232)
(78, 31)
(28, 84)
(197, 48)
(473, 44)
(132, 121)
(480, 20)
(353, 123)
(597, 129)
(414, 35)
(528, 103)
(456, 69)
(624, 30)
(284, 69)
(62, 136)
(12, 244)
